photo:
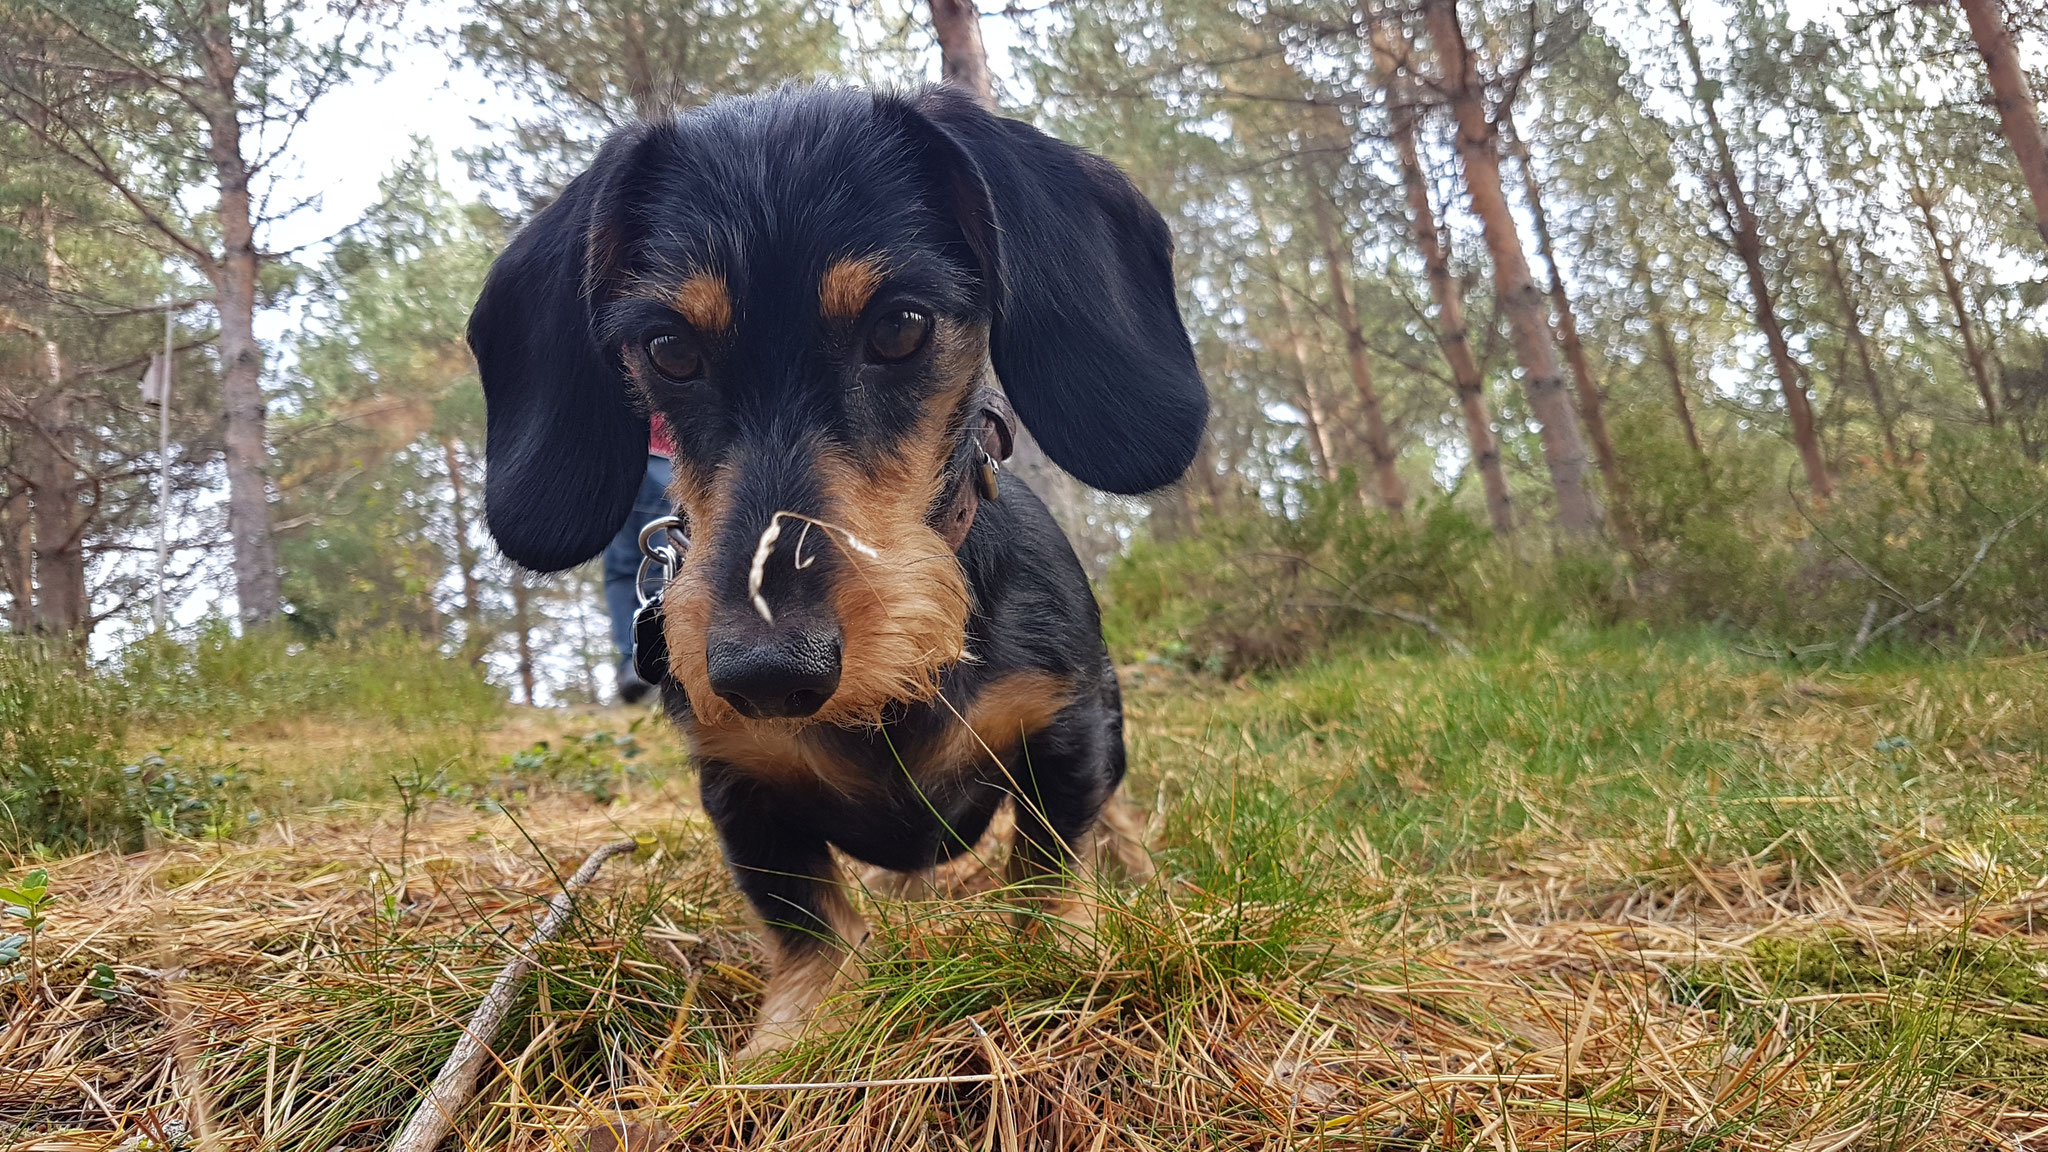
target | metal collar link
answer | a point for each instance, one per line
(668, 553)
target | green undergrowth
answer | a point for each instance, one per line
(1658, 748)
(156, 739)
(1954, 1008)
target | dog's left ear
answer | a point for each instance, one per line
(565, 447)
(1086, 334)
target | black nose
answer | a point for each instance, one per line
(790, 674)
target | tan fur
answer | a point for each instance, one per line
(776, 749)
(847, 285)
(902, 612)
(801, 979)
(997, 721)
(704, 302)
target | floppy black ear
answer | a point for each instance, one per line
(565, 447)
(1086, 335)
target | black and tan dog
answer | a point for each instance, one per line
(873, 642)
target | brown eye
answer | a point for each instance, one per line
(898, 335)
(675, 358)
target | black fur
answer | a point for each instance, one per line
(987, 224)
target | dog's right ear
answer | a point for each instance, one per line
(565, 445)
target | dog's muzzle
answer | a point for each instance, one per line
(787, 675)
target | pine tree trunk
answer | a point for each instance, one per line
(1451, 334)
(2014, 101)
(1667, 351)
(1859, 343)
(1379, 443)
(471, 614)
(1952, 287)
(963, 59)
(1478, 145)
(1592, 402)
(1320, 454)
(17, 556)
(55, 485)
(234, 276)
(522, 628)
(1747, 233)
(52, 474)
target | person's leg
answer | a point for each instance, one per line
(622, 562)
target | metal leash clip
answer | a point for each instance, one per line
(669, 554)
(650, 642)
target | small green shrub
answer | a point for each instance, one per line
(1252, 593)
(61, 727)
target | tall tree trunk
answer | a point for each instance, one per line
(234, 276)
(522, 630)
(2014, 101)
(17, 558)
(962, 58)
(1736, 213)
(1667, 351)
(54, 478)
(1452, 337)
(1320, 454)
(471, 614)
(1952, 287)
(1592, 402)
(52, 473)
(1379, 443)
(1578, 512)
(1859, 343)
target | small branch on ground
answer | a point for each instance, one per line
(434, 1116)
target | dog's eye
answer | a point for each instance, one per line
(675, 358)
(899, 335)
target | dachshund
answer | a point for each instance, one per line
(875, 637)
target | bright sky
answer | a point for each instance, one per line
(362, 129)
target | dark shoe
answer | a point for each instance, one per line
(632, 689)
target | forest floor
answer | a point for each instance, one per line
(1596, 891)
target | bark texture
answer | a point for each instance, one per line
(234, 274)
(963, 60)
(1444, 290)
(1741, 220)
(1379, 442)
(2014, 101)
(1478, 145)
(1592, 400)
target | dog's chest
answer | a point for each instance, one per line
(905, 789)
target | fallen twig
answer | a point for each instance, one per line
(432, 1119)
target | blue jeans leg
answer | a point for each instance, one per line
(622, 555)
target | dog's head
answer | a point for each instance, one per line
(809, 286)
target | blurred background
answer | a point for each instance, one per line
(1673, 313)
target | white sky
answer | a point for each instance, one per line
(362, 129)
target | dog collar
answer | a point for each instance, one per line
(986, 442)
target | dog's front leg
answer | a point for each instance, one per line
(1059, 788)
(812, 931)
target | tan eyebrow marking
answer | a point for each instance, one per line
(705, 303)
(846, 286)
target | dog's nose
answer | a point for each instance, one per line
(787, 675)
